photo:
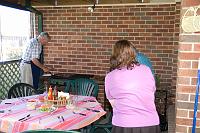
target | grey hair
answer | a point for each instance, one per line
(45, 34)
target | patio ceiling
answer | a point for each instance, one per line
(70, 2)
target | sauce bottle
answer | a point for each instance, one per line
(50, 93)
(55, 93)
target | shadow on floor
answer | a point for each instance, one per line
(171, 120)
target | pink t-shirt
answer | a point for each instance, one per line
(133, 95)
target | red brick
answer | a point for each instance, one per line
(185, 64)
(182, 97)
(183, 80)
(187, 3)
(182, 113)
(181, 129)
(196, 47)
(185, 47)
(190, 56)
(184, 121)
(187, 72)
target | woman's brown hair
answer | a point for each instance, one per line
(123, 55)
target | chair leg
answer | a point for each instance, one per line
(93, 129)
(86, 129)
(107, 130)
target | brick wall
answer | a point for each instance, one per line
(188, 55)
(82, 41)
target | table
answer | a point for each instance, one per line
(11, 110)
(59, 79)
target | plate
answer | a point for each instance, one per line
(46, 108)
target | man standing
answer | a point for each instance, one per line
(31, 65)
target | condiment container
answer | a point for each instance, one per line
(31, 104)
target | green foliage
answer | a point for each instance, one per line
(157, 79)
(13, 55)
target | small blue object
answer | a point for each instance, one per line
(196, 103)
(143, 59)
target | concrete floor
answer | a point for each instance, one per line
(171, 119)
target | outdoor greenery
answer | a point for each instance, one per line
(13, 55)
(157, 80)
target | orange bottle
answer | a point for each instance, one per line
(50, 94)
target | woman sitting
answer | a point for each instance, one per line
(130, 89)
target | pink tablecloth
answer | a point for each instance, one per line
(11, 110)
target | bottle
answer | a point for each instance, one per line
(45, 94)
(50, 94)
(55, 93)
(45, 88)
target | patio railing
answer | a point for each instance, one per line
(9, 75)
(11, 47)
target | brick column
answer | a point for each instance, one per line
(189, 52)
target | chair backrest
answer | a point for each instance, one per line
(20, 90)
(68, 84)
(84, 87)
(49, 131)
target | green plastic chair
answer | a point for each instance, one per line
(103, 125)
(49, 131)
(84, 87)
(68, 84)
(21, 90)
